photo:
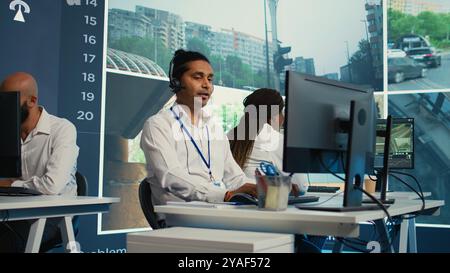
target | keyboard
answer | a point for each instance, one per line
(302, 199)
(323, 189)
(17, 191)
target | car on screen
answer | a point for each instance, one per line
(402, 68)
(425, 55)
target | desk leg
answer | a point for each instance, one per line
(68, 236)
(412, 236)
(35, 236)
(386, 246)
(403, 243)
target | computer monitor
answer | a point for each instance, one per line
(401, 155)
(10, 144)
(330, 127)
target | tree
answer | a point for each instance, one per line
(436, 26)
(446, 18)
(400, 24)
(432, 25)
(361, 65)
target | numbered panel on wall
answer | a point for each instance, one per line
(81, 63)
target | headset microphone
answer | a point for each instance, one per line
(174, 83)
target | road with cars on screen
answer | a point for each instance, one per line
(437, 78)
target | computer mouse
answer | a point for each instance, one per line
(244, 198)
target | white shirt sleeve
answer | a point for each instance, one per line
(60, 165)
(158, 145)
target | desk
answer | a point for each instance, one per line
(407, 227)
(292, 220)
(389, 195)
(39, 208)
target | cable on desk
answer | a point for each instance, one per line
(6, 217)
(411, 176)
(422, 198)
(376, 201)
(323, 202)
(360, 189)
(390, 220)
(5, 224)
(328, 167)
(347, 244)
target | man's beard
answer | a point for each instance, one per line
(24, 113)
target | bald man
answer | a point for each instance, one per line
(49, 155)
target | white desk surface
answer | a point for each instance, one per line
(39, 208)
(24, 202)
(395, 195)
(292, 220)
(291, 213)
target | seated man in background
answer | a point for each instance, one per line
(188, 155)
(49, 157)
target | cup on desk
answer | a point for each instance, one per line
(369, 185)
(273, 191)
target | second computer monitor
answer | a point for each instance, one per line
(401, 155)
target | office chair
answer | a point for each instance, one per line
(56, 242)
(145, 198)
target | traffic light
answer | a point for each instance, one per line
(279, 61)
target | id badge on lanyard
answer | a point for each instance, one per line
(215, 182)
(219, 184)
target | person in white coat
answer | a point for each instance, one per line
(258, 138)
(262, 123)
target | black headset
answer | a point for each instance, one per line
(174, 83)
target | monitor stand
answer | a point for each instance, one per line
(356, 162)
(383, 174)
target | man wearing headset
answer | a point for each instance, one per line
(188, 155)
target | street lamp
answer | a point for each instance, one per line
(348, 52)
(156, 44)
(349, 65)
(367, 33)
(267, 44)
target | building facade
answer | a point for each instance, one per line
(124, 23)
(199, 31)
(250, 49)
(304, 65)
(147, 23)
(414, 7)
(169, 27)
(375, 36)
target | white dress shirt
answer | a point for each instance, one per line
(176, 171)
(49, 157)
(268, 146)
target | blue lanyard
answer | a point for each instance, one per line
(207, 163)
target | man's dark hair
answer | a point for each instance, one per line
(180, 62)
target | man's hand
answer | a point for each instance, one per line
(247, 188)
(6, 182)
